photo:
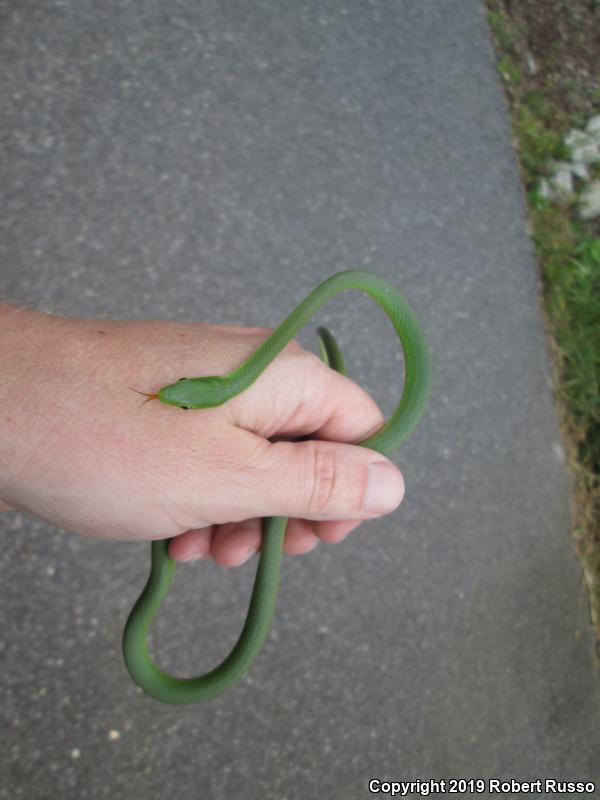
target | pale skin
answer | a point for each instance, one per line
(82, 450)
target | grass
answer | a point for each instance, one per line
(568, 253)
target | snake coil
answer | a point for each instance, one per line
(210, 391)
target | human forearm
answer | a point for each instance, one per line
(22, 332)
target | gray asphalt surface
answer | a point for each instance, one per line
(215, 161)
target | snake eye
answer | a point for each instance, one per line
(186, 408)
(182, 379)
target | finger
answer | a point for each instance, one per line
(333, 531)
(333, 407)
(234, 543)
(298, 394)
(315, 480)
(191, 545)
(299, 537)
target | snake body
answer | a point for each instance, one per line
(211, 391)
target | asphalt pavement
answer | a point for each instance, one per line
(215, 161)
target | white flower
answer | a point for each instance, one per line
(593, 128)
(576, 138)
(585, 145)
(589, 201)
(580, 171)
(560, 184)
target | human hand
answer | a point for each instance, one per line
(81, 450)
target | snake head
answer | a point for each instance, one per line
(205, 392)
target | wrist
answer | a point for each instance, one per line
(26, 344)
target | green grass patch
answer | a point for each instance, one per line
(568, 252)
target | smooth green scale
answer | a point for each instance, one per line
(214, 390)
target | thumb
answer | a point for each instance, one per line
(324, 480)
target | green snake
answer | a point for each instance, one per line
(205, 392)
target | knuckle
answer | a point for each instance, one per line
(258, 332)
(323, 473)
(293, 347)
